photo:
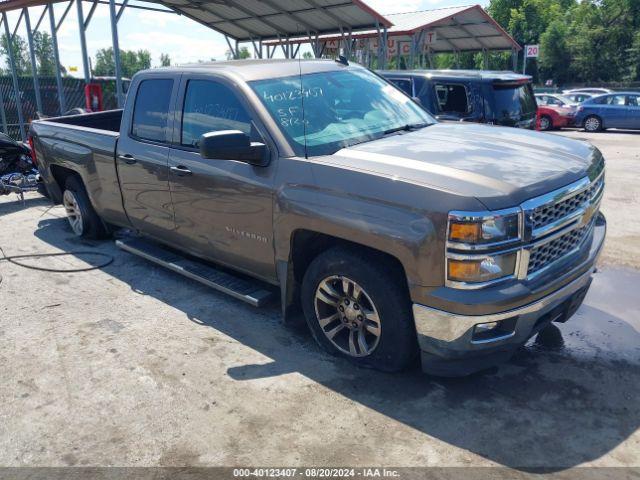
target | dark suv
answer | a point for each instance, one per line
(500, 98)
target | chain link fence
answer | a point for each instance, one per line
(74, 97)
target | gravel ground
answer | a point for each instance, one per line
(132, 365)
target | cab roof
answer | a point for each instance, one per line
(256, 69)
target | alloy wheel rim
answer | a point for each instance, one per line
(74, 215)
(347, 316)
(544, 123)
(592, 124)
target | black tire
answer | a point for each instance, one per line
(382, 283)
(593, 123)
(547, 125)
(89, 224)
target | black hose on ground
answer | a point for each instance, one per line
(12, 259)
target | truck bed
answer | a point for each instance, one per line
(85, 144)
(109, 120)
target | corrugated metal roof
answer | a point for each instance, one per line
(456, 29)
(245, 20)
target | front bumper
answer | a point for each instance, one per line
(450, 348)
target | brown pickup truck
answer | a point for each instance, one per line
(398, 237)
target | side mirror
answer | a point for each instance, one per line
(233, 145)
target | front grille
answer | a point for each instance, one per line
(549, 213)
(548, 253)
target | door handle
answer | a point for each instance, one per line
(128, 158)
(181, 171)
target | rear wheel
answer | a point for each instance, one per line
(357, 307)
(83, 219)
(593, 123)
(545, 123)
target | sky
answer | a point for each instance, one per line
(183, 39)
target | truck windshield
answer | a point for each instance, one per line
(320, 113)
(514, 101)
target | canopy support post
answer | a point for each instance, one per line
(56, 57)
(83, 42)
(14, 76)
(3, 114)
(32, 56)
(116, 49)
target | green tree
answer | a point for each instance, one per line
(130, 62)
(20, 51)
(45, 59)
(555, 58)
(243, 53)
(165, 60)
(307, 55)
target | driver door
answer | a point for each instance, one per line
(223, 208)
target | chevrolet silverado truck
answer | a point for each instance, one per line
(396, 236)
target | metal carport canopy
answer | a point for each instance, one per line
(251, 20)
(466, 28)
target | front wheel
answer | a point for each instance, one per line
(357, 307)
(593, 124)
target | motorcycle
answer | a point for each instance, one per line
(18, 171)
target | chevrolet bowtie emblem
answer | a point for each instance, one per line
(588, 214)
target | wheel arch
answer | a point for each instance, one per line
(305, 246)
(588, 116)
(60, 175)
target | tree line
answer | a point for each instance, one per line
(581, 41)
(103, 64)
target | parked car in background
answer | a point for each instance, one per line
(499, 98)
(579, 97)
(616, 110)
(593, 91)
(551, 117)
(554, 100)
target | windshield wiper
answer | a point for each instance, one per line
(410, 127)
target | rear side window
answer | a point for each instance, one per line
(151, 110)
(208, 107)
(513, 101)
(452, 98)
(403, 84)
(633, 100)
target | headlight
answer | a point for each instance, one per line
(482, 229)
(481, 269)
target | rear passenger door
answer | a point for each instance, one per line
(633, 111)
(615, 111)
(142, 156)
(223, 208)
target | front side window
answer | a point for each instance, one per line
(615, 100)
(403, 84)
(452, 98)
(151, 110)
(320, 113)
(208, 107)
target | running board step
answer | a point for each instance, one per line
(251, 291)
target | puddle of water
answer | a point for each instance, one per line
(607, 325)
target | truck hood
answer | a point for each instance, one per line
(499, 166)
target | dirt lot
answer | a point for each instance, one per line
(134, 366)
